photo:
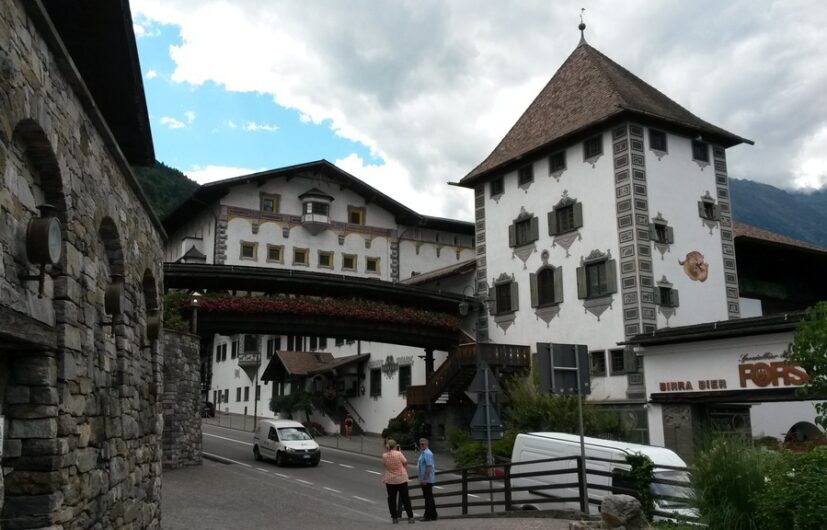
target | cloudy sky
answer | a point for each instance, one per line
(408, 95)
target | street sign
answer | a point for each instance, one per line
(480, 423)
(564, 368)
(479, 382)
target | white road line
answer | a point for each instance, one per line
(304, 482)
(228, 439)
(229, 460)
(331, 489)
(374, 472)
(347, 466)
(282, 475)
(472, 495)
(262, 469)
(364, 499)
(326, 461)
(438, 488)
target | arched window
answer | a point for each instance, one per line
(546, 286)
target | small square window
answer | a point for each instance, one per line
(348, 262)
(557, 162)
(269, 203)
(593, 147)
(248, 250)
(300, 256)
(355, 215)
(496, 186)
(325, 259)
(372, 265)
(618, 362)
(525, 175)
(598, 362)
(657, 140)
(275, 253)
(700, 151)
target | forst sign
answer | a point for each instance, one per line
(754, 371)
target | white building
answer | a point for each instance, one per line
(316, 217)
(603, 213)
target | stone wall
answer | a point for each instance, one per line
(181, 400)
(82, 445)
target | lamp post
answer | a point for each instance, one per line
(194, 302)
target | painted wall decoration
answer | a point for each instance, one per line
(695, 267)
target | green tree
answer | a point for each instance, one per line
(297, 400)
(809, 350)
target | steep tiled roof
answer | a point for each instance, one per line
(589, 89)
(742, 230)
(451, 270)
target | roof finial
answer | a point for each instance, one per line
(582, 26)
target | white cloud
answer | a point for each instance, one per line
(431, 87)
(231, 124)
(172, 123)
(190, 115)
(151, 74)
(139, 30)
(253, 126)
(210, 173)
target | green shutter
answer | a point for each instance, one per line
(611, 276)
(515, 297)
(492, 296)
(512, 235)
(653, 232)
(558, 285)
(670, 235)
(578, 214)
(535, 229)
(582, 288)
(656, 292)
(675, 302)
(552, 223)
(532, 279)
(716, 215)
(701, 210)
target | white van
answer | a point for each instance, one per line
(545, 445)
(285, 441)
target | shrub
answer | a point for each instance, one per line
(795, 492)
(727, 479)
(641, 474)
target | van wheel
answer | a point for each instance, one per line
(279, 459)
(256, 453)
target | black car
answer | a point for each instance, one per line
(207, 410)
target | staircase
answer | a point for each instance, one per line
(456, 373)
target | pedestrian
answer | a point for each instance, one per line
(348, 426)
(396, 480)
(427, 474)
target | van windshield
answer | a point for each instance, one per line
(672, 495)
(292, 434)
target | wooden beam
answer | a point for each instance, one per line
(19, 331)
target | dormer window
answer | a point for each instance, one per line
(315, 210)
(356, 215)
(269, 202)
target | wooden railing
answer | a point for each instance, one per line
(503, 355)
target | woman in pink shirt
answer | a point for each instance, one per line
(396, 479)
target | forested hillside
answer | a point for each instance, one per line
(164, 186)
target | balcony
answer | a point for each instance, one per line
(249, 359)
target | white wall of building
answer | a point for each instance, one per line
(201, 226)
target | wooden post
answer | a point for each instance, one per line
(581, 484)
(507, 483)
(464, 492)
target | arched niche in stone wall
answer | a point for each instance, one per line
(110, 281)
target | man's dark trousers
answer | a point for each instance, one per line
(430, 505)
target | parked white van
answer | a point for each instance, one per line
(545, 445)
(285, 441)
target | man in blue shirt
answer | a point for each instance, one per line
(426, 479)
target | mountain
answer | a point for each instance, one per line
(164, 186)
(795, 214)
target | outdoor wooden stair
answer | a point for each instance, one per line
(458, 370)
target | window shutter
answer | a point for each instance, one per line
(532, 278)
(611, 276)
(558, 285)
(716, 215)
(515, 300)
(629, 360)
(701, 210)
(578, 214)
(552, 223)
(492, 296)
(675, 302)
(535, 229)
(582, 288)
(512, 235)
(656, 292)
(670, 235)
(653, 232)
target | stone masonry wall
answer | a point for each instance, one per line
(181, 400)
(82, 447)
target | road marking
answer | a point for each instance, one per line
(374, 472)
(364, 499)
(331, 489)
(262, 469)
(229, 460)
(228, 439)
(326, 461)
(438, 488)
(304, 482)
(347, 466)
(472, 495)
(282, 475)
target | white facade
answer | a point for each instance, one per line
(235, 230)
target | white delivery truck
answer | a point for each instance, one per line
(546, 445)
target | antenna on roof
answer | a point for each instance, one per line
(582, 26)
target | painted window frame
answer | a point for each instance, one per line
(306, 251)
(325, 253)
(279, 249)
(584, 287)
(362, 214)
(353, 257)
(539, 278)
(373, 260)
(275, 197)
(252, 245)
